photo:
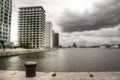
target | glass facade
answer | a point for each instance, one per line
(5, 20)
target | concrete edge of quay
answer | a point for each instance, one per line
(20, 75)
(15, 52)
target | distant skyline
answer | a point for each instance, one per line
(77, 20)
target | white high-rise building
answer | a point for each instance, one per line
(5, 20)
(48, 35)
(32, 26)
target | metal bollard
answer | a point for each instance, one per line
(30, 69)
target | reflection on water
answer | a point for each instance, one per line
(68, 60)
(14, 62)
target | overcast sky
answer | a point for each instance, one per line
(78, 21)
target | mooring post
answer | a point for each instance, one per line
(30, 69)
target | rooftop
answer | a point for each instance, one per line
(33, 7)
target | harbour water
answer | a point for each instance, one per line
(67, 60)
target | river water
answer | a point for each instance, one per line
(67, 60)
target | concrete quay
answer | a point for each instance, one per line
(19, 51)
(20, 75)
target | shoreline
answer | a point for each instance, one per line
(19, 51)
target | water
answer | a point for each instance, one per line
(67, 60)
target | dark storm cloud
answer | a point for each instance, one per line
(105, 15)
(110, 32)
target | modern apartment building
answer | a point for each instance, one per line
(5, 20)
(32, 26)
(48, 35)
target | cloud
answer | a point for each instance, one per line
(27, 2)
(106, 14)
(75, 21)
(91, 37)
(110, 32)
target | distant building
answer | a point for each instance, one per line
(115, 46)
(48, 35)
(32, 26)
(55, 40)
(74, 45)
(105, 46)
(5, 20)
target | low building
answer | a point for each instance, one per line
(115, 46)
